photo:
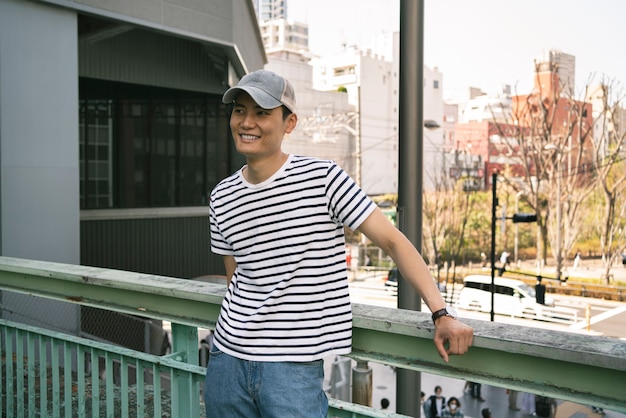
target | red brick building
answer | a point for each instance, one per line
(544, 116)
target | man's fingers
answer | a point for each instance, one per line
(452, 338)
(460, 344)
(441, 349)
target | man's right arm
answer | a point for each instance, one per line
(230, 264)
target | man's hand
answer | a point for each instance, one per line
(452, 337)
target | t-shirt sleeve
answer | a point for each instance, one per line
(348, 203)
(218, 243)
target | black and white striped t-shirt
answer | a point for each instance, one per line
(288, 299)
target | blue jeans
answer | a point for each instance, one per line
(247, 389)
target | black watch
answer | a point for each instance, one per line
(447, 311)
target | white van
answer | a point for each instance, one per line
(511, 297)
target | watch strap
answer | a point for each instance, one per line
(438, 314)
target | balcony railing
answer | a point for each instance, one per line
(62, 375)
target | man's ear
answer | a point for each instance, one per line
(290, 123)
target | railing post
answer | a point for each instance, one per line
(339, 386)
(362, 383)
(186, 403)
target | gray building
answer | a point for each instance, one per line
(112, 133)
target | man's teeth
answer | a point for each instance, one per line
(249, 137)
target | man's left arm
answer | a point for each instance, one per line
(380, 231)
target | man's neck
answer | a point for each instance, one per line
(257, 171)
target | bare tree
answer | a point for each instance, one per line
(609, 153)
(437, 219)
(447, 211)
(575, 174)
(546, 141)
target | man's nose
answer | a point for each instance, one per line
(247, 121)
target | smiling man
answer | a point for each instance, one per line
(278, 223)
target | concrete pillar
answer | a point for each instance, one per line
(362, 383)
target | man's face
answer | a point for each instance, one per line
(258, 133)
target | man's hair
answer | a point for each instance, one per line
(286, 112)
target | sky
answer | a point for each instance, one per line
(483, 43)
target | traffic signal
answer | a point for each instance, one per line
(524, 218)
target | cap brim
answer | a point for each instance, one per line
(259, 96)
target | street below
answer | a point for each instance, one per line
(593, 317)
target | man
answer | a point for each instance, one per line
(278, 222)
(540, 292)
(504, 262)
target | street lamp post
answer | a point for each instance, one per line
(494, 205)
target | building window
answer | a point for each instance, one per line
(96, 149)
(435, 84)
(143, 146)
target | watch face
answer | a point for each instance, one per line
(452, 311)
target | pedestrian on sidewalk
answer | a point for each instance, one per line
(545, 406)
(475, 389)
(384, 403)
(528, 403)
(453, 410)
(434, 406)
(577, 259)
(540, 292)
(512, 395)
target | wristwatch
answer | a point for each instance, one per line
(447, 311)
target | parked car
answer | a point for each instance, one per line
(391, 280)
(511, 297)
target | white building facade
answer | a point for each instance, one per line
(372, 83)
(369, 83)
(348, 103)
(325, 118)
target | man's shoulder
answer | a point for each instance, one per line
(304, 164)
(304, 159)
(226, 184)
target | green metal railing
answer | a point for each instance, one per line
(67, 376)
(577, 367)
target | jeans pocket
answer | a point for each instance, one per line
(214, 351)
